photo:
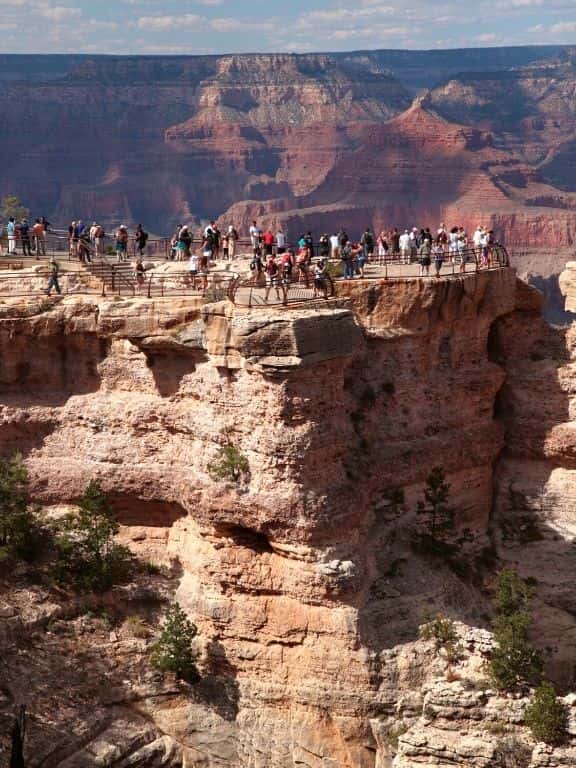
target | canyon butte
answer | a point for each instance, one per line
(386, 138)
(301, 574)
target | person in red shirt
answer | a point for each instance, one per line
(268, 242)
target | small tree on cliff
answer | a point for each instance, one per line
(515, 662)
(88, 556)
(11, 206)
(19, 530)
(173, 652)
(547, 716)
(435, 511)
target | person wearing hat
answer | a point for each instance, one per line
(53, 281)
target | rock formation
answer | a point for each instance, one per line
(302, 577)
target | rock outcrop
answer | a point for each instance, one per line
(302, 576)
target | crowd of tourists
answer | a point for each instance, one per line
(275, 263)
(30, 237)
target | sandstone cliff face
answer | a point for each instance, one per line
(301, 578)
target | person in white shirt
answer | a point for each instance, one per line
(405, 247)
(280, 241)
(334, 246)
(11, 232)
(255, 237)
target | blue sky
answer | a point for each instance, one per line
(224, 26)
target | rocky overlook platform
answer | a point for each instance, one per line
(300, 576)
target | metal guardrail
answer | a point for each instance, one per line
(254, 292)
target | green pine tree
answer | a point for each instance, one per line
(19, 530)
(173, 652)
(11, 206)
(547, 716)
(88, 556)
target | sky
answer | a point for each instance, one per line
(242, 26)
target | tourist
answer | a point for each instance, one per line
(367, 243)
(438, 253)
(84, 247)
(39, 239)
(204, 264)
(99, 235)
(347, 257)
(485, 248)
(361, 258)
(453, 244)
(25, 237)
(462, 246)
(139, 270)
(424, 257)
(140, 238)
(207, 247)
(280, 242)
(395, 241)
(53, 281)
(321, 279)
(405, 247)
(268, 240)
(342, 238)
(216, 242)
(11, 233)
(225, 246)
(121, 243)
(193, 269)
(257, 268)
(414, 244)
(272, 277)
(1, 234)
(287, 267)
(255, 237)
(442, 235)
(334, 246)
(383, 247)
(232, 240)
(309, 241)
(302, 266)
(324, 247)
(184, 243)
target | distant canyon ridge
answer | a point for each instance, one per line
(307, 141)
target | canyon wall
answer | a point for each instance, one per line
(302, 577)
(310, 141)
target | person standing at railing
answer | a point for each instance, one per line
(39, 241)
(383, 247)
(268, 242)
(347, 255)
(122, 243)
(453, 244)
(309, 242)
(139, 274)
(272, 277)
(324, 246)
(334, 246)
(438, 252)
(184, 243)
(11, 232)
(53, 281)
(320, 279)
(25, 237)
(405, 247)
(140, 238)
(367, 243)
(232, 240)
(255, 237)
(280, 242)
(424, 253)
(99, 235)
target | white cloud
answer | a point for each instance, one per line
(168, 23)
